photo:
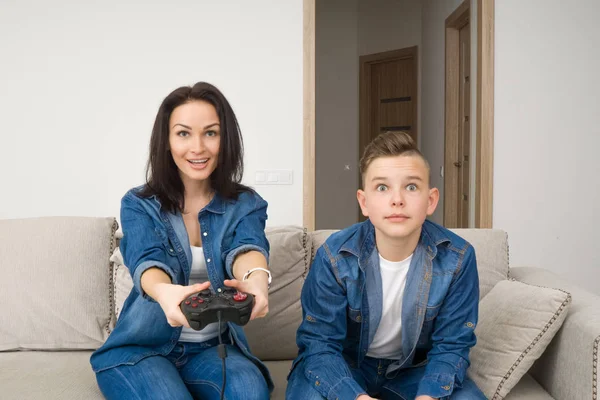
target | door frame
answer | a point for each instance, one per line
(454, 23)
(484, 124)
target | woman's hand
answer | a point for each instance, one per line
(170, 296)
(258, 286)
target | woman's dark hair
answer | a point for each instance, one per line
(162, 174)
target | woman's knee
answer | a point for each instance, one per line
(247, 383)
(152, 378)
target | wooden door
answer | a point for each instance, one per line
(388, 95)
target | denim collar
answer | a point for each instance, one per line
(216, 205)
(362, 243)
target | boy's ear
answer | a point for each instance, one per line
(434, 198)
(362, 202)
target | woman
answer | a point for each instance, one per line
(191, 227)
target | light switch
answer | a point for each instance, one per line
(260, 177)
(273, 177)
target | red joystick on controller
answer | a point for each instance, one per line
(239, 296)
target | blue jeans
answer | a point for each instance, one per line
(190, 371)
(371, 377)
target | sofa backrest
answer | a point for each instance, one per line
(56, 291)
(292, 252)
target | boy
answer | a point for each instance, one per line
(390, 304)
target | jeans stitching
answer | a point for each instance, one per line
(207, 383)
(124, 379)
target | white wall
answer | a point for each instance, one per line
(433, 91)
(80, 85)
(547, 135)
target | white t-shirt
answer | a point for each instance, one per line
(387, 342)
(199, 274)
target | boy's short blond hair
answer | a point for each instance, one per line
(389, 144)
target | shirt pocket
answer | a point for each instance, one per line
(430, 314)
(166, 243)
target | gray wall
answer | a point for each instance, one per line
(345, 30)
(336, 122)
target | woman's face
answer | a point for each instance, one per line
(194, 140)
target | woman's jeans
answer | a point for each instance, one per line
(190, 371)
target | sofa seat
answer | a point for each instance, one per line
(67, 375)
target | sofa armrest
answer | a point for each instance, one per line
(568, 369)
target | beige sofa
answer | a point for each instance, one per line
(60, 297)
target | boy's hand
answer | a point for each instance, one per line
(423, 397)
(365, 397)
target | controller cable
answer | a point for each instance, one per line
(222, 354)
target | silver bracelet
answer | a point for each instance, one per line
(247, 274)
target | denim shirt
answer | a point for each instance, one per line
(153, 237)
(342, 306)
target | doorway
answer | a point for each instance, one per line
(481, 159)
(388, 99)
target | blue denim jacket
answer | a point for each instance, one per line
(342, 305)
(153, 237)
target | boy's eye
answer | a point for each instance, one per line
(411, 188)
(211, 133)
(381, 188)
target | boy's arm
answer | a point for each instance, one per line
(323, 330)
(453, 332)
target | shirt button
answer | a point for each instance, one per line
(170, 250)
(205, 233)
(208, 260)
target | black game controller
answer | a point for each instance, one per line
(203, 308)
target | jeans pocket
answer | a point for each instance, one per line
(177, 356)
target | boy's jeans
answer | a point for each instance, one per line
(371, 376)
(190, 371)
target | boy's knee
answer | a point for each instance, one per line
(299, 388)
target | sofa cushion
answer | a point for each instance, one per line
(528, 388)
(274, 337)
(279, 371)
(48, 375)
(59, 282)
(491, 251)
(517, 321)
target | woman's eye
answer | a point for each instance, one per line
(183, 133)
(381, 188)
(412, 187)
(211, 133)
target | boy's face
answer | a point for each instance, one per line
(397, 197)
